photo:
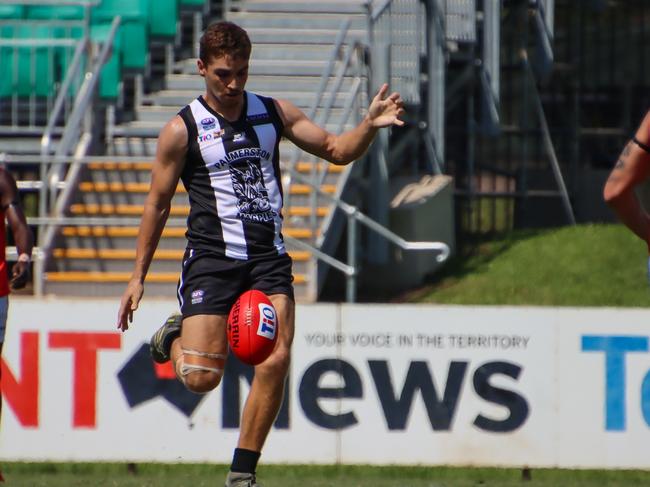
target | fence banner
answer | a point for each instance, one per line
(376, 384)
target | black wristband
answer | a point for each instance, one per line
(643, 146)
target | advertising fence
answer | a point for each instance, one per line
(375, 384)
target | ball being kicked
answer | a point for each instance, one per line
(252, 327)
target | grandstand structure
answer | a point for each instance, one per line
(89, 83)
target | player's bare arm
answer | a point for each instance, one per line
(384, 111)
(22, 234)
(631, 168)
(165, 173)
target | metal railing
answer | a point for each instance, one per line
(74, 143)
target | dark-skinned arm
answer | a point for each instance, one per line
(21, 232)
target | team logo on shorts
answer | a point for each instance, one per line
(252, 196)
(197, 296)
(268, 321)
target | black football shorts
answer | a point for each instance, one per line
(210, 283)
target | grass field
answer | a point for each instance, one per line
(147, 475)
(585, 265)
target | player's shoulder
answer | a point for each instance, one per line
(174, 132)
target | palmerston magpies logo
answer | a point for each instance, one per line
(142, 380)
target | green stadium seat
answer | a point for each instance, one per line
(8, 12)
(193, 4)
(134, 29)
(55, 12)
(111, 73)
(163, 18)
(18, 63)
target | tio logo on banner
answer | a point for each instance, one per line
(615, 348)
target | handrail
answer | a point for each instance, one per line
(68, 138)
(322, 84)
(548, 142)
(80, 108)
(46, 139)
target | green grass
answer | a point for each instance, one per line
(585, 265)
(153, 475)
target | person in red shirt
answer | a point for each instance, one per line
(11, 210)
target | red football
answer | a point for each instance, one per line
(252, 327)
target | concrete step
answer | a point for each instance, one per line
(145, 147)
(121, 260)
(21, 145)
(143, 134)
(80, 209)
(295, 6)
(261, 84)
(266, 67)
(168, 232)
(162, 114)
(117, 193)
(140, 172)
(157, 285)
(304, 100)
(297, 20)
(301, 36)
(61, 285)
(112, 237)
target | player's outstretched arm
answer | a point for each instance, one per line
(632, 167)
(165, 173)
(384, 111)
(22, 234)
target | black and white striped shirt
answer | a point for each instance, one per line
(232, 176)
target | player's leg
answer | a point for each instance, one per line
(195, 340)
(273, 277)
(199, 354)
(264, 399)
(267, 389)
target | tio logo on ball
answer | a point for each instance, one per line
(268, 321)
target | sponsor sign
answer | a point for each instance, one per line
(433, 385)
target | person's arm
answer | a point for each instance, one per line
(21, 232)
(632, 168)
(165, 173)
(344, 148)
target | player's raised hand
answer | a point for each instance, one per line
(385, 111)
(130, 301)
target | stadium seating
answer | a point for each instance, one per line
(141, 20)
(19, 62)
(134, 29)
(163, 18)
(8, 12)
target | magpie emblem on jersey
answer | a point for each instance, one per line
(252, 196)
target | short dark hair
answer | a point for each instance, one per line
(224, 39)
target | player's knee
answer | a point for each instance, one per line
(277, 365)
(201, 381)
(197, 377)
